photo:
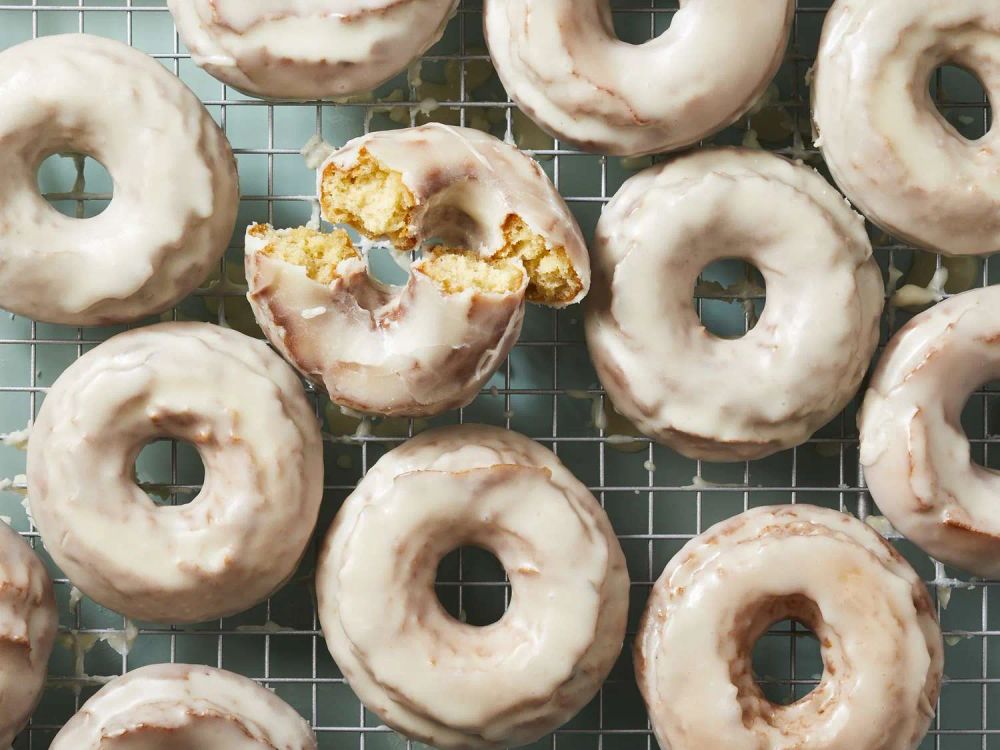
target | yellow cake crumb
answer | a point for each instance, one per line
(318, 252)
(551, 276)
(457, 271)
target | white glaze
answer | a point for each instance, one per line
(28, 620)
(170, 706)
(245, 412)
(881, 644)
(917, 459)
(308, 49)
(427, 675)
(713, 398)
(888, 147)
(175, 183)
(561, 61)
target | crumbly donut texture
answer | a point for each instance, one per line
(881, 644)
(503, 236)
(720, 399)
(28, 620)
(308, 49)
(563, 64)
(429, 676)
(245, 412)
(888, 147)
(170, 706)
(175, 181)
(917, 459)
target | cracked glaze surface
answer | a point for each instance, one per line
(175, 183)
(917, 459)
(888, 147)
(170, 706)
(563, 64)
(722, 399)
(241, 407)
(881, 645)
(429, 676)
(308, 49)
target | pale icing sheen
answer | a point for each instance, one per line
(429, 676)
(245, 412)
(721, 399)
(917, 458)
(890, 150)
(175, 183)
(28, 620)
(169, 706)
(881, 644)
(561, 61)
(308, 49)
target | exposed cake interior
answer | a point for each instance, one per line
(375, 201)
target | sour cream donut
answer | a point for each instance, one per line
(713, 398)
(563, 64)
(506, 237)
(175, 181)
(245, 412)
(916, 457)
(308, 49)
(170, 706)
(881, 644)
(28, 620)
(429, 676)
(891, 151)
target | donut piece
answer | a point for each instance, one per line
(719, 399)
(244, 411)
(881, 644)
(168, 706)
(176, 191)
(916, 457)
(28, 620)
(563, 64)
(308, 49)
(429, 676)
(505, 236)
(888, 147)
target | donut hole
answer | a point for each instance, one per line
(170, 472)
(981, 424)
(962, 100)
(75, 185)
(637, 26)
(729, 297)
(472, 586)
(787, 662)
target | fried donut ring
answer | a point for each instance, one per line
(561, 61)
(176, 190)
(507, 237)
(718, 399)
(245, 412)
(429, 676)
(170, 706)
(916, 456)
(308, 49)
(28, 620)
(874, 619)
(888, 147)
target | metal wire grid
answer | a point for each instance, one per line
(656, 499)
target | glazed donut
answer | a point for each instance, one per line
(713, 398)
(916, 457)
(176, 191)
(881, 645)
(429, 676)
(28, 620)
(506, 236)
(308, 49)
(888, 147)
(168, 706)
(245, 412)
(563, 65)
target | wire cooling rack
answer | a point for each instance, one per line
(548, 390)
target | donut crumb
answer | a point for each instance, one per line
(318, 252)
(456, 271)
